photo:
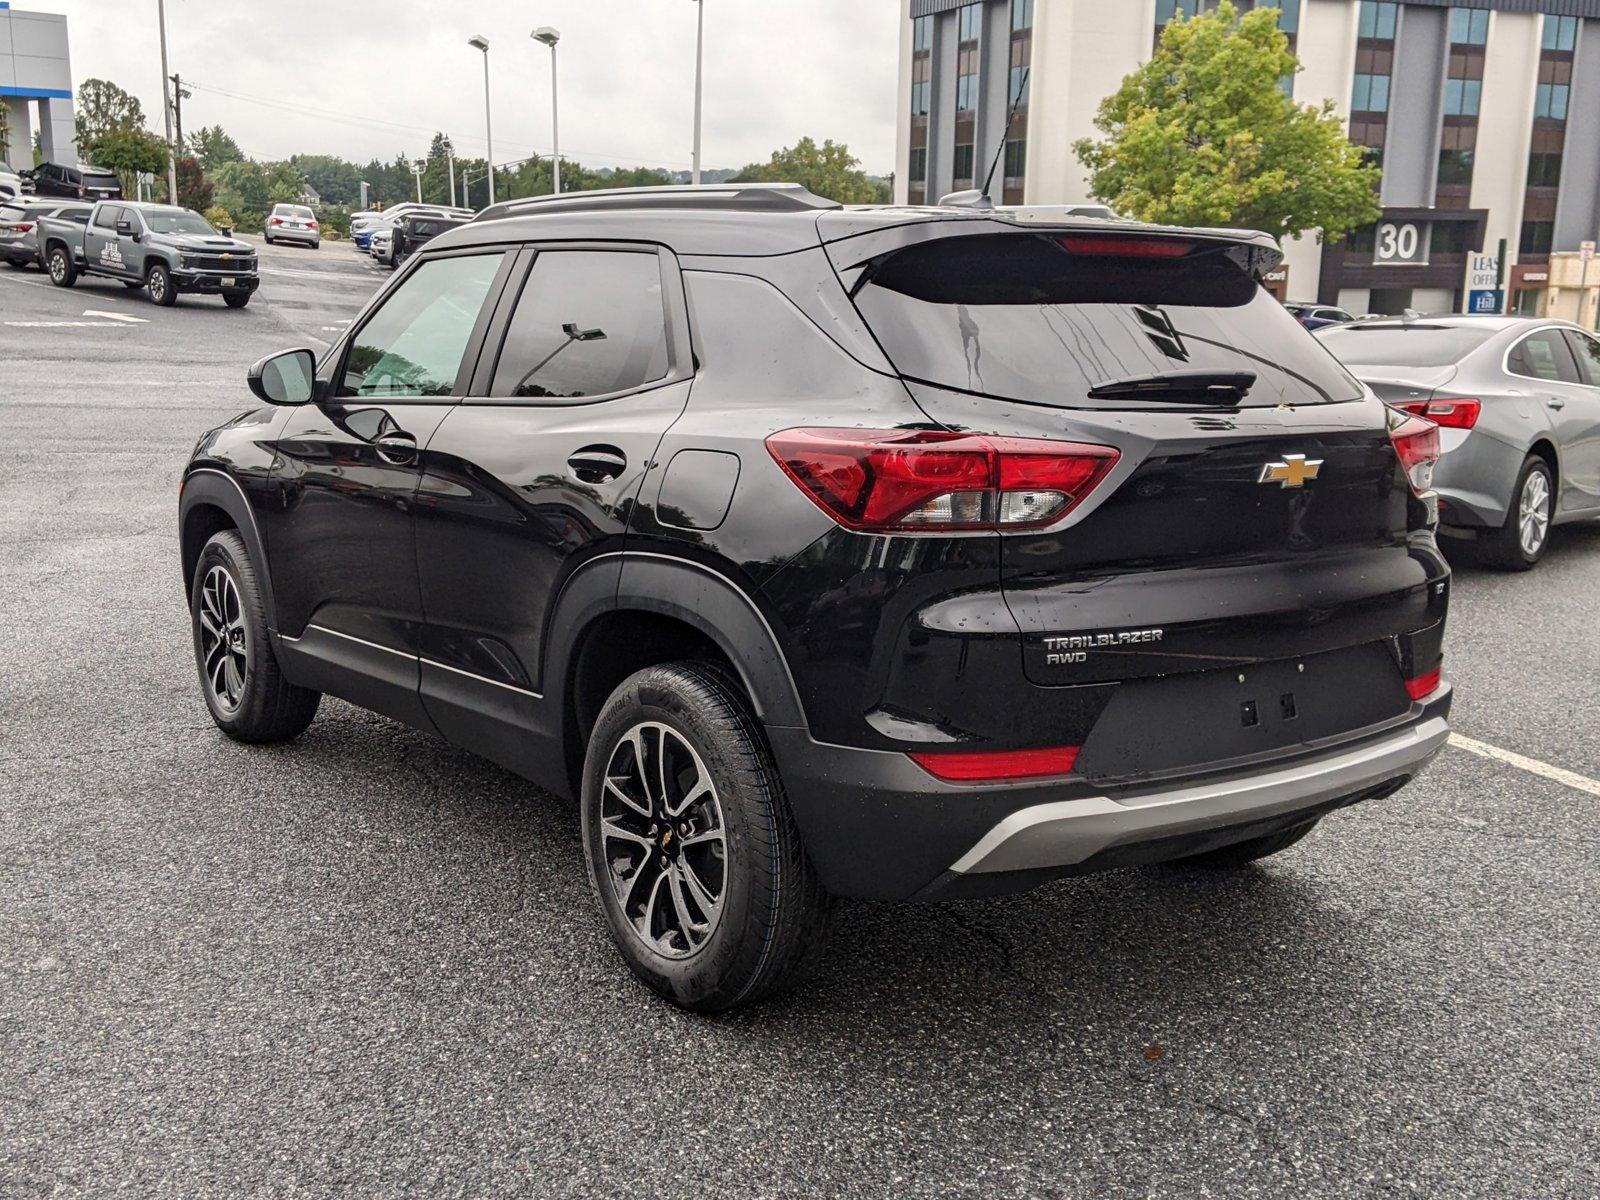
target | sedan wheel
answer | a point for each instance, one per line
(1533, 513)
(1521, 542)
(224, 639)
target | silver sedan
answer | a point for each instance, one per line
(293, 223)
(1517, 400)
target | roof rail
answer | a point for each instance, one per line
(740, 197)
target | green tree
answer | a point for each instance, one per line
(128, 152)
(214, 148)
(828, 170)
(242, 188)
(1203, 134)
(104, 109)
(336, 181)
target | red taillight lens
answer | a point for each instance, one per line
(1124, 247)
(275, 221)
(1424, 685)
(1455, 413)
(21, 227)
(994, 766)
(1416, 441)
(313, 225)
(914, 480)
(83, 192)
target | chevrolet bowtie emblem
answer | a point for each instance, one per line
(1292, 472)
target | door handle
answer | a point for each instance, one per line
(597, 464)
(397, 447)
(1556, 402)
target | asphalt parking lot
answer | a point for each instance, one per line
(368, 962)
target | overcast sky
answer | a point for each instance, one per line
(363, 79)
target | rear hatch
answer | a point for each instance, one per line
(1246, 569)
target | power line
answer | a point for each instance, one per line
(382, 126)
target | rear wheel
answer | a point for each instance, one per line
(1520, 543)
(159, 286)
(691, 849)
(63, 272)
(1243, 853)
(248, 696)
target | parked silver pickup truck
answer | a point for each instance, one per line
(161, 248)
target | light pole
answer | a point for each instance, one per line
(166, 106)
(419, 169)
(450, 170)
(699, 78)
(550, 37)
(479, 42)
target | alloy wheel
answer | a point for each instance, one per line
(224, 640)
(663, 838)
(58, 267)
(1533, 512)
(158, 286)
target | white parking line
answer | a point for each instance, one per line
(111, 316)
(1533, 766)
(66, 325)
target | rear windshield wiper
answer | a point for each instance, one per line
(1190, 386)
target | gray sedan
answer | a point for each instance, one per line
(1517, 400)
(19, 226)
(292, 223)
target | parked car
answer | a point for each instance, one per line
(885, 552)
(416, 231)
(292, 223)
(163, 249)
(1317, 316)
(19, 226)
(11, 184)
(363, 226)
(1517, 400)
(75, 183)
(380, 245)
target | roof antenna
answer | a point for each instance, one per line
(1011, 119)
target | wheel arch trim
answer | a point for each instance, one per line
(219, 489)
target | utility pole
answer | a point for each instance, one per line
(166, 107)
(450, 170)
(179, 95)
(699, 79)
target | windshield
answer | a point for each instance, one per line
(1404, 345)
(1021, 317)
(179, 223)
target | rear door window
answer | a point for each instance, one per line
(107, 217)
(1543, 355)
(1588, 352)
(1022, 317)
(588, 323)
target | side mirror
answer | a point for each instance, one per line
(288, 377)
(125, 227)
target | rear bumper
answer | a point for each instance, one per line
(877, 826)
(295, 235)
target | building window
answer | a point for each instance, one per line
(1370, 136)
(963, 171)
(1016, 158)
(922, 34)
(1371, 94)
(919, 165)
(1537, 238)
(1448, 237)
(1550, 101)
(1462, 97)
(971, 21)
(1544, 169)
(966, 92)
(1458, 145)
(1021, 15)
(1560, 33)
(1165, 11)
(1021, 82)
(1378, 20)
(1469, 26)
(1288, 17)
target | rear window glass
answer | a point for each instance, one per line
(11, 212)
(1404, 345)
(1019, 317)
(99, 179)
(293, 210)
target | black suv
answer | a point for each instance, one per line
(880, 552)
(77, 183)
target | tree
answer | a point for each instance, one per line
(130, 153)
(103, 109)
(194, 189)
(336, 181)
(1203, 134)
(214, 148)
(828, 170)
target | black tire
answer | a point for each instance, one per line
(267, 238)
(1243, 853)
(159, 287)
(266, 707)
(233, 300)
(63, 271)
(772, 913)
(1504, 548)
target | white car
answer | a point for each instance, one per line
(10, 183)
(381, 247)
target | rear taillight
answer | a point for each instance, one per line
(917, 480)
(275, 221)
(1124, 247)
(1424, 685)
(998, 765)
(313, 225)
(83, 192)
(1454, 413)
(1416, 441)
(21, 227)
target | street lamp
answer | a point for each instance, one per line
(419, 169)
(479, 42)
(166, 106)
(699, 78)
(550, 37)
